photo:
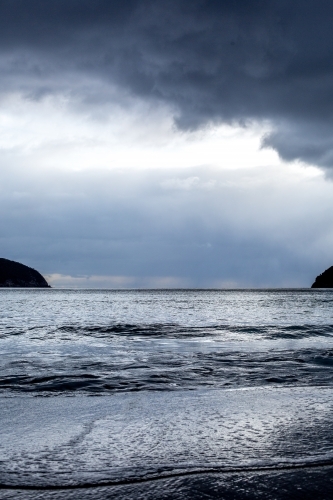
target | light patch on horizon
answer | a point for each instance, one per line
(115, 282)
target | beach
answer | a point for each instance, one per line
(200, 406)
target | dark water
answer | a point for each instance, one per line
(166, 394)
(101, 342)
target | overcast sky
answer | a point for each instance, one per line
(167, 143)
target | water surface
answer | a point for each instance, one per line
(101, 342)
(166, 394)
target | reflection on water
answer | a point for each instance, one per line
(203, 392)
(72, 441)
(100, 342)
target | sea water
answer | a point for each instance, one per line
(163, 392)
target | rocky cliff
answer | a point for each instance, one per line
(324, 280)
(14, 274)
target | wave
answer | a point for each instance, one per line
(171, 331)
(166, 371)
(165, 472)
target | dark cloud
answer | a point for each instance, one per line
(226, 60)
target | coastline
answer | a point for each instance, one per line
(218, 441)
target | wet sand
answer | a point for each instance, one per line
(249, 443)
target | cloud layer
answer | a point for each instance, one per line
(190, 227)
(209, 61)
(129, 137)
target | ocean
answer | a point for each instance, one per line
(166, 393)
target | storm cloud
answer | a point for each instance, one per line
(209, 61)
(153, 143)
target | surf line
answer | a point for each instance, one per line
(171, 475)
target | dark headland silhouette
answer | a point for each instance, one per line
(325, 279)
(16, 275)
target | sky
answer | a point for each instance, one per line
(167, 143)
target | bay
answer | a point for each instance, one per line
(101, 342)
(166, 393)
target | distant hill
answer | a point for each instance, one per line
(324, 280)
(13, 274)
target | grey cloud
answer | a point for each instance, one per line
(209, 60)
(162, 224)
(311, 141)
